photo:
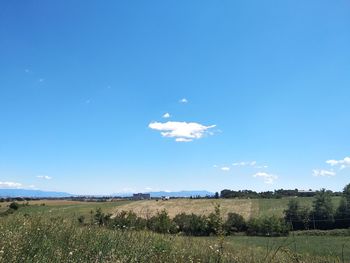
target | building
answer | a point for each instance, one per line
(141, 196)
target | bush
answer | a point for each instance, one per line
(14, 206)
(267, 226)
(234, 223)
(192, 224)
(128, 220)
(215, 224)
(161, 223)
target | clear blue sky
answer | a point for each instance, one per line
(84, 86)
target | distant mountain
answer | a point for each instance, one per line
(31, 193)
(201, 193)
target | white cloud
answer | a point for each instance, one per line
(268, 178)
(166, 115)
(46, 177)
(181, 131)
(342, 163)
(240, 164)
(183, 100)
(225, 169)
(318, 173)
(10, 185)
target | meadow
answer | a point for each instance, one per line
(51, 233)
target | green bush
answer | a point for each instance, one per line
(234, 223)
(192, 225)
(14, 206)
(267, 226)
(128, 220)
(161, 223)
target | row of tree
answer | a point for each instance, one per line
(323, 214)
(191, 224)
(271, 194)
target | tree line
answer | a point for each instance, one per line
(271, 194)
(322, 215)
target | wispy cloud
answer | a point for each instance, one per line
(181, 131)
(268, 178)
(46, 177)
(344, 163)
(41, 80)
(183, 100)
(10, 185)
(166, 115)
(240, 164)
(225, 168)
(326, 173)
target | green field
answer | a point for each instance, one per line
(246, 207)
(50, 232)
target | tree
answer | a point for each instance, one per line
(342, 214)
(216, 196)
(323, 212)
(296, 215)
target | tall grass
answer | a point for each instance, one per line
(43, 239)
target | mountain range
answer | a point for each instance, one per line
(42, 194)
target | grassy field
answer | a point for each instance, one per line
(68, 209)
(246, 207)
(40, 238)
(50, 233)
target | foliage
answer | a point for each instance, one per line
(267, 226)
(161, 223)
(234, 223)
(192, 225)
(296, 215)
(14, 206)
(323, 211)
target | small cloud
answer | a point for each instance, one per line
(26, 70)
(181, 131)
(46, 177)
(242, 164)
(88, 101)
(109, 87)
(166, 115)
(225, 169)
(268, 178)
(41, 80)
(215, 166)
(324, 173)
(148, 188)
(341, 163)
(183, 100)
(10, 185)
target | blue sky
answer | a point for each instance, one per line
(85, 85)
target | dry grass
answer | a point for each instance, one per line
(197, 206)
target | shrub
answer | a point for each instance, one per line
(128, 220)
(234, 223)
(267, 226)
(194, 225)
(215, 224)
(14, 206)
(161, 223)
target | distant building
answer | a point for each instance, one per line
(141, 196)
